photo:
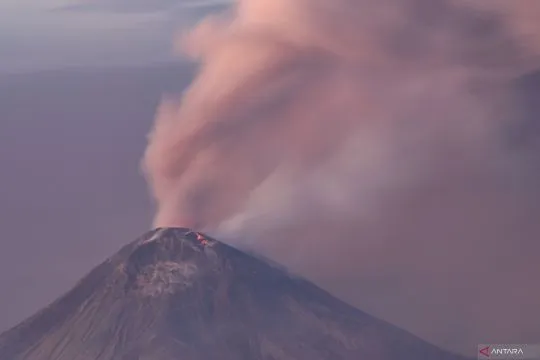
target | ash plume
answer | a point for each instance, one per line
(365, 145)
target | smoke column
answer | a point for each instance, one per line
(365, 144)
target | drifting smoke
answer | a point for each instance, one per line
(364, 144)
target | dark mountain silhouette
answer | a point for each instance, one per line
(172, 296)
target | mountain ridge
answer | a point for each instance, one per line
(169, 295)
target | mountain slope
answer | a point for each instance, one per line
(170, 295)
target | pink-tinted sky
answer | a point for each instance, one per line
(70, 188)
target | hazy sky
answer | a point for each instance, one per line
(43, 34)
(49, 118)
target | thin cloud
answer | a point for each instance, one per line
(137, 6)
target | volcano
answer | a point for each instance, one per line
(177, 295)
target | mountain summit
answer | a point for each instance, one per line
(175, 294)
